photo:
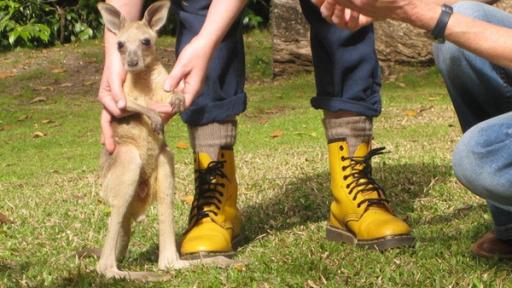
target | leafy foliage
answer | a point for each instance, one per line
(25, 23)
(36, 23)
(40, 23)
(256, 15)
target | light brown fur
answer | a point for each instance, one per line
(141, 168)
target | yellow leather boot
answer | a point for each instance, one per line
(359, 213)
(214, 220)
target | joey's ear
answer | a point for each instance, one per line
(113, 19)
(156, 15)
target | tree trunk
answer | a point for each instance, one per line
(396, 43)
(290, 42)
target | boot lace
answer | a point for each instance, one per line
(362, 181)
(207, 198)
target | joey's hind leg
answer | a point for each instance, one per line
(124, 237)
(119, 186)
(168, 254)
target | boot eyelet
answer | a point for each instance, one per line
(343, 168)
(345, 178)
(346, 186)
(341, 148)
(343, 158)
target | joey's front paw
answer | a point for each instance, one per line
(177, 102)
(157, 125)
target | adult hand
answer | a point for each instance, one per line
(111, 95)
(187, 75)
(377, 9)
(341, 16)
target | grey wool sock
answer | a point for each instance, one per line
(356, 129)
(211, 137)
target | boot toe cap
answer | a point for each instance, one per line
(206, 238)
(382, 225)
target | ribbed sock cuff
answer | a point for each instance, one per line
(211, 137)
(356, 129)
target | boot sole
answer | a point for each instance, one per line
(340, 235)
(236, 243)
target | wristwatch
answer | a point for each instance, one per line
(438, 31)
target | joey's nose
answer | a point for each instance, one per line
(133, 62)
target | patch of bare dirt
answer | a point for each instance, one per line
(73, 70)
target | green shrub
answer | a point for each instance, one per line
(25, 23)
(41, 23)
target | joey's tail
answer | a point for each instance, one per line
(139, 276)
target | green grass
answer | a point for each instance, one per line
(49, 185)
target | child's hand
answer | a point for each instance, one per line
(111, 95)
(188, 73)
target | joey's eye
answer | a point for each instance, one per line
(120, 45)
(146, 42)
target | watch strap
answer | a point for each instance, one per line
(438, 31)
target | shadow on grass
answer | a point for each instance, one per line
(306, 199)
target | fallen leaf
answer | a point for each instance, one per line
(87, 83)
(312, 284)
(182, 145)
(5, 74)
(67, 84)
(58, 70)
(411, 113)
(5, 220)
(38, 134)
(188, 199)
(263, 121)
(240, 267)
(400, 84)
(38, 99)
(24, 117)
(47, 121)
(40, 88)
(423, 109)
(277, 133)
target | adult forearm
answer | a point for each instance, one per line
(220, 17)
(451, 2)
(484, 39)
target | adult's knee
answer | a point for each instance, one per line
(475, 166)
(448, 57)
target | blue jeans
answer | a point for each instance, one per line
(481, 93)
(346, 67)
